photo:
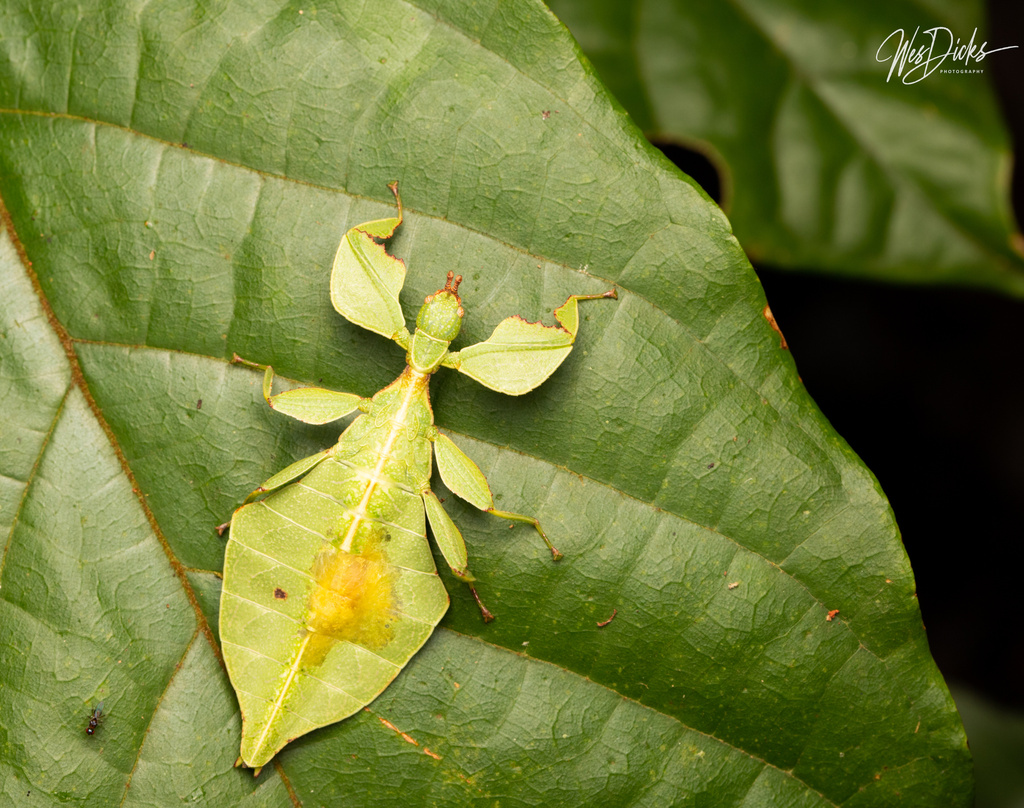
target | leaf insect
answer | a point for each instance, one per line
(95, 719)
(329, 582)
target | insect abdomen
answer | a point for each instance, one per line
(352, 597)
(361, 614)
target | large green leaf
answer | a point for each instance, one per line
(177, 179)
(828, 164)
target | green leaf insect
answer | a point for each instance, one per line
(329, 582)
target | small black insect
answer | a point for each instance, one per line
(94, 719)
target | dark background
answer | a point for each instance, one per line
(926, 385)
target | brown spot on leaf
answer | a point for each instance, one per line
(831, 615)
(280, 594)
(767, 312)
(405, 736)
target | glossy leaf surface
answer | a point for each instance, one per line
(826, 162)
(179, 180)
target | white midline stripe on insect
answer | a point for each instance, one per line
(360, 513)
(363, 474)
(398, 422)
(282, 692)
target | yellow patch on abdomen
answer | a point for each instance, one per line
(352, 599)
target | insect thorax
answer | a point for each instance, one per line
(437, 324)
(391, 440)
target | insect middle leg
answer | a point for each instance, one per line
(465, 479)
(519, 517)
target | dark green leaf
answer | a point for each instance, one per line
(179, 178)
(826, 164)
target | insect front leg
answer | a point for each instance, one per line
(519, 355)
(465, 480)
(366, 280)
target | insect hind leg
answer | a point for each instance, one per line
(484, 611)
